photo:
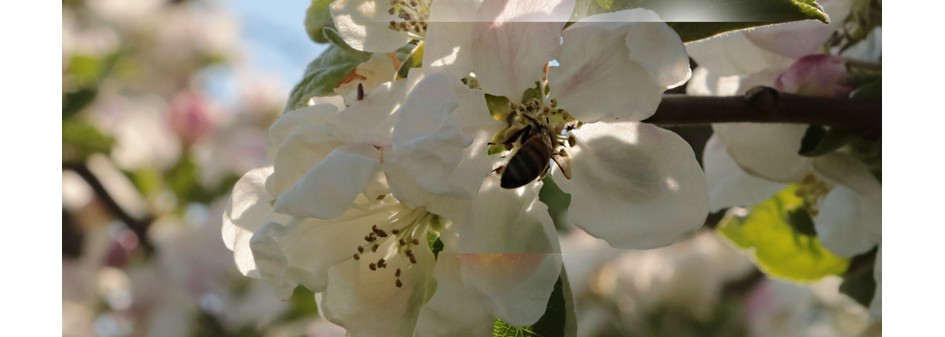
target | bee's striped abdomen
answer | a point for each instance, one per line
(531, 160)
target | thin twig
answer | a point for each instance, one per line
(138, 226)
(767, 105)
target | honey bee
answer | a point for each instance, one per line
(533, 158)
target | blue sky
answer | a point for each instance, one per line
(274, 39)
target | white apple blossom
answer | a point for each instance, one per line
(380, 26)
(323, 217)
(612, 73)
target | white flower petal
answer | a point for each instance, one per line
(597, 79)
(271, 262)
(707, 83)
(298, 140)
(728, 184)
(448, 43)
(510, 52)
(843, 169)
(649, 42)
(439, 142)
(634, 185)
(368, 303)
(734, 54)
(519, 284)
(302, 251)
(766, 150)
(371, 120)
(454, 309)
(248, 209)
(364, 25)
(844, 221)
(329, 188)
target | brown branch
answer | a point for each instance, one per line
(767, 105)
(138, 226)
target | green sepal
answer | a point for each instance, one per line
(533, 93)
(499, 107)
(413, 60)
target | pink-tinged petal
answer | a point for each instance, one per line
(596, 79)
(734, 54)
(766, 150)
(728, 184)
(510, 52)
(331, 186)
(816, 75)
(364, 25)
(454, 309)
(634, 185)
(844, 221)
(369, 303)
(248, 209)
(439, 142)
(298, 140)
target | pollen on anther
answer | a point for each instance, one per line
(399, 284)
(413, 260)
(374, 248)
(357, 257)
(360, 249)
(372, 266)
(416, 242)
(395, 231)
(402, 242)
(397, 273)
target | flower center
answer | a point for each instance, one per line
(537, 134)
(812, 191)
(412, 16)
(391, 245)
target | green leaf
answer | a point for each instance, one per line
(301, 305)
(321, 77)
(858, 281)
(75, 101)
(819, 141)
(699, 19)
(557, 200)
(775, 246)
(318, 16)
(559, 318)
(80, 139)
